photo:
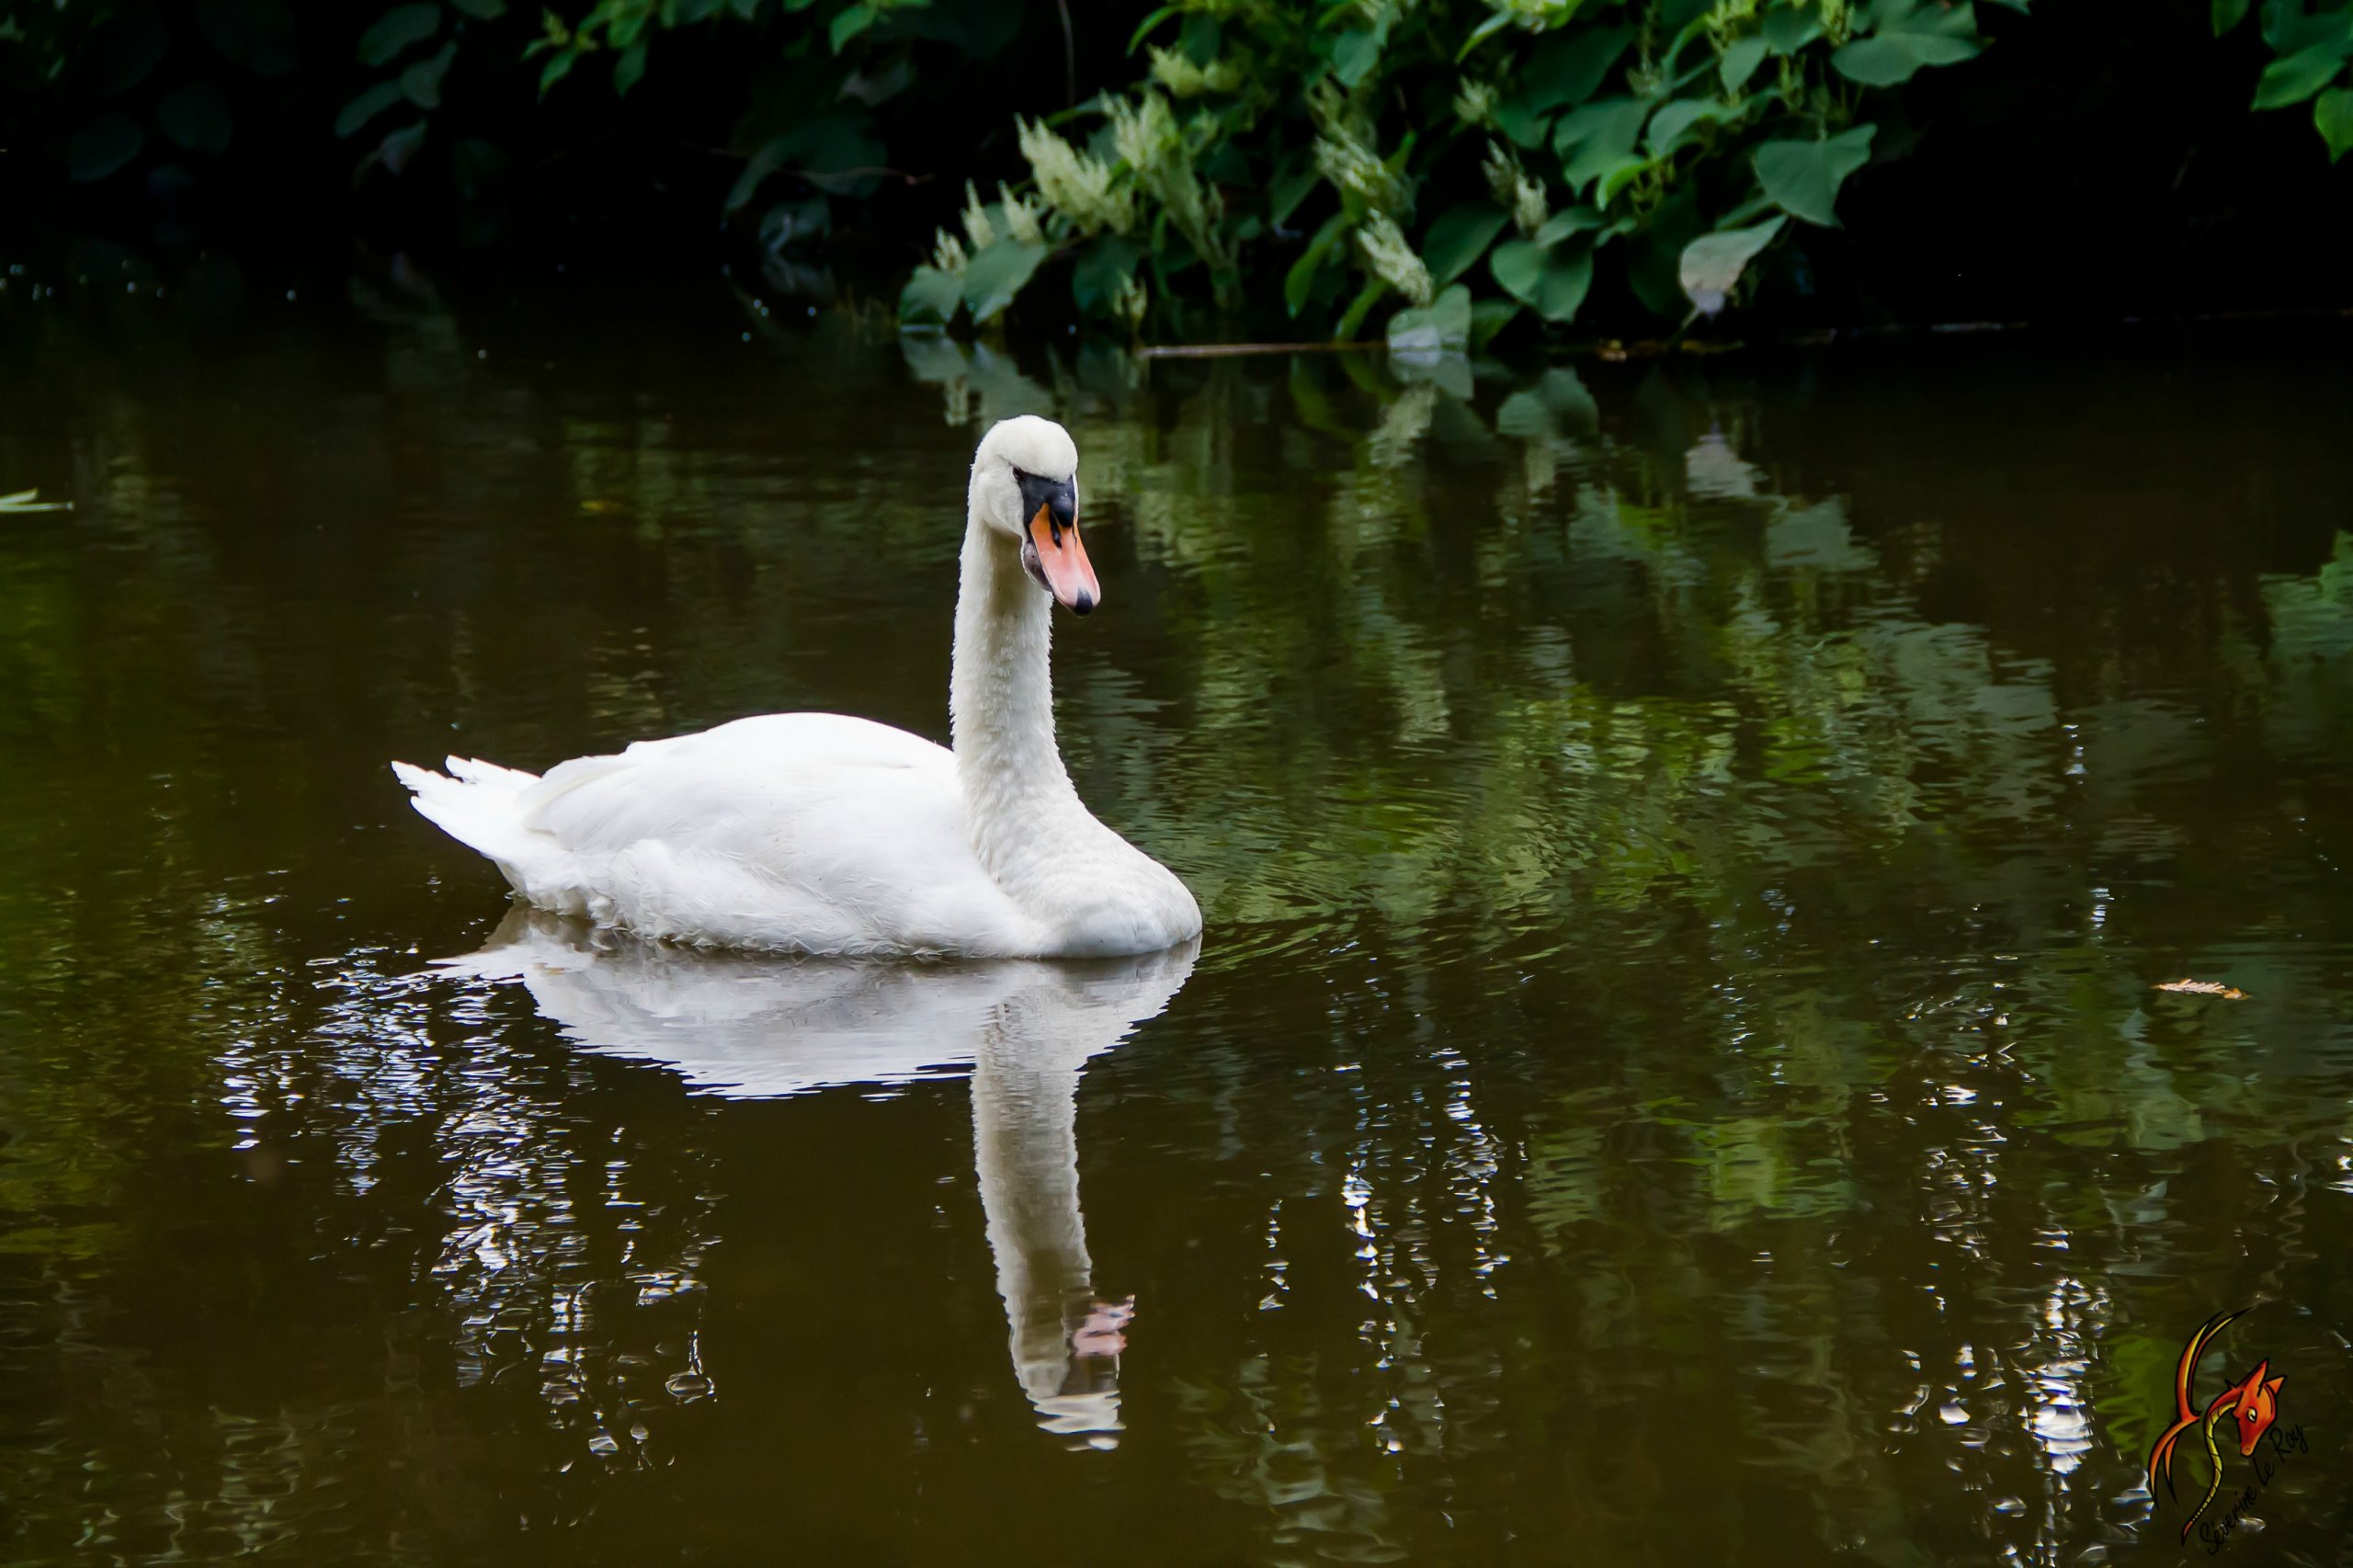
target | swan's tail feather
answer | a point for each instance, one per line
(475, 803)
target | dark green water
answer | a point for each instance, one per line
(1674, 1072)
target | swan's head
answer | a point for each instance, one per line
(1025, 486)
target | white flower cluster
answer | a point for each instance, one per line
(1148, 138)
(1535, 15)
(948, 254)
(1343, 156)
(1021, 218)
(1079, 188)
(1144, 129)
(1516, 190)
(977, 227)
(1392, 260)
(1474, 101)
(1174, 69)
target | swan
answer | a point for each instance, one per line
(755, 1027)
(825, 834)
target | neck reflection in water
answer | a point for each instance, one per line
(755, 1027)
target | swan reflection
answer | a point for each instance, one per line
(753, 1028)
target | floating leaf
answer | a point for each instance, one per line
(1713, 263)
(1459, 237)
(2300, 76)
(2204, 988)
(1804, 177)
(101, 146)
(1441, 327)
(195, 115)
(929, 300)
(2333, 116)
(996, 273)
(396, 30)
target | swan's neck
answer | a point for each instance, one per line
(1001, 705)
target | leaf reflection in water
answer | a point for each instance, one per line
(755, 1027)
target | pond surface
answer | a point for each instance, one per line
(1675, 1071)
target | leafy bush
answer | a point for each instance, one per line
(2311, 49)
(1468, 161)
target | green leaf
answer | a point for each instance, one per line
(1568, 66)
(481, 10)
(848, 24)
(629, 68)
(928, 301)
(1740, 63)
(1906, 35)
(1441, 327)
(395, 31)
(2228, 14)
(2299, 76)
(1489, 317)
(1358, 308)
(1353, 55)
(101, 146)
(1554, 282)
(422, 81)
(1597, 137)
(1804, 177)
(558, 67)
(1482, 33)
(197, 116)
(1890, 61)
(1144, 30)
(1713, 263)
(396, 149)
(1103, 269)
(1575, 221)
(2333, 116)
(1522, 124)
(255, 34)
(998, 273)
(367, 107)
(1301, 278)
(1673, 123)
(1789, 28)
(1459, 237)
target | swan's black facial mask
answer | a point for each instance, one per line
(1050, 551)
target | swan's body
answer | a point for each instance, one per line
(814, 832)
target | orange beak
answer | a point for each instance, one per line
(1060, 562)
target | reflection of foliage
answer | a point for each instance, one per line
(1670, 960)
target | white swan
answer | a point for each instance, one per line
(814, 833)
